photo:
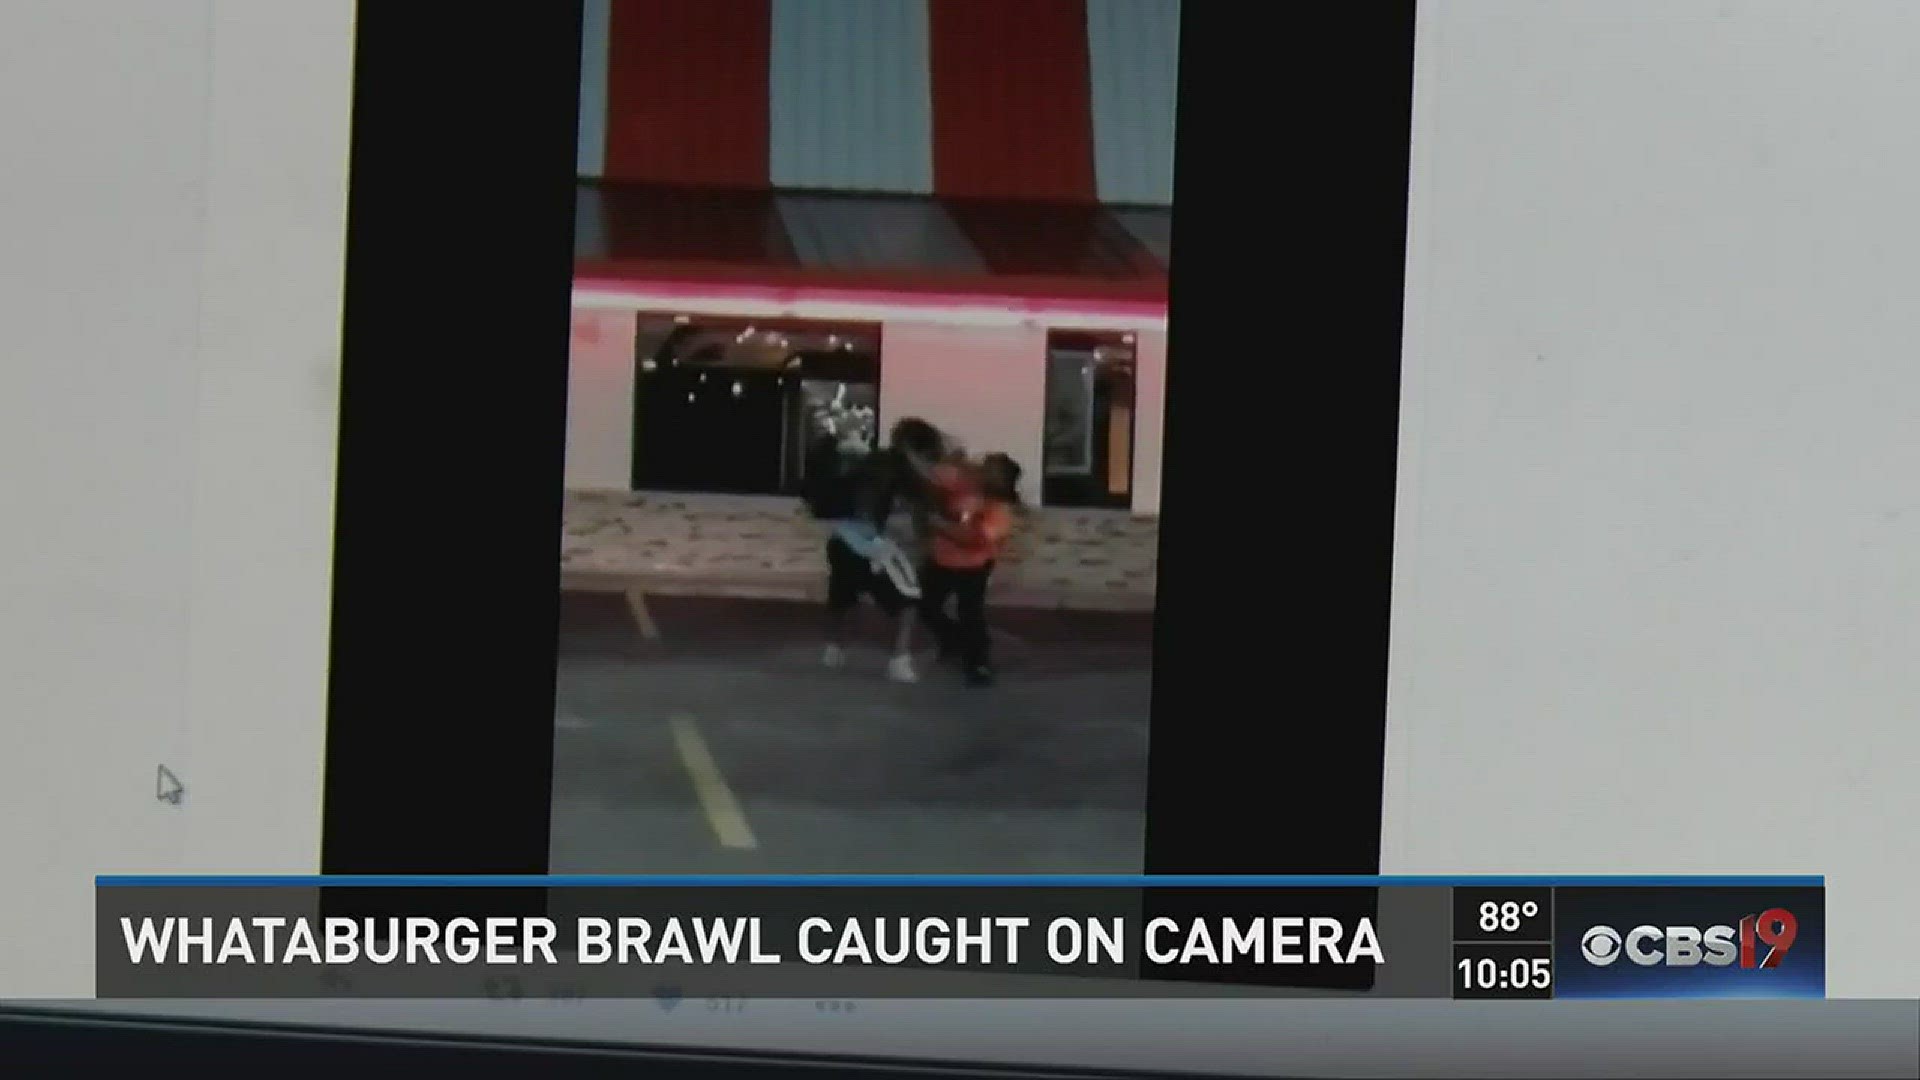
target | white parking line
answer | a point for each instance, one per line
(637, 604)
(723, 811)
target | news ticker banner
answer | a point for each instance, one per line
(947, 937)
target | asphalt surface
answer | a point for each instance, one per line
(706, 736)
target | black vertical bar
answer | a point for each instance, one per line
(452, 431)
(1270, 671)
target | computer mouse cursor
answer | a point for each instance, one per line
(168, 787)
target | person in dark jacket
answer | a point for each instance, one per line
(855, 492)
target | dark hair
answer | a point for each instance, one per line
(1001, 475)
(915, 434)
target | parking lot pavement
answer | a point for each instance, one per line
(707, 737)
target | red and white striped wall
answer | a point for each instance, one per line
(1039, 99)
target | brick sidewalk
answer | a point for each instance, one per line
(813, 588)
(766, 548)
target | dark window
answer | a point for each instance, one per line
(1089, 420)
(734, 407)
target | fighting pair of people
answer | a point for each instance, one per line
(917, 527)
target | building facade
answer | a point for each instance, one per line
(799, 215)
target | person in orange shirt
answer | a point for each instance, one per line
(967, 540)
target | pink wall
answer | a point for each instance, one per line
(600, 400)
(985, 385)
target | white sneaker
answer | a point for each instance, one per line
(834, 656)
(900, 669)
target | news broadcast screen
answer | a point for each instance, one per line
(606, 504)
(877, 937)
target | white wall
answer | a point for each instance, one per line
(175, 199)
(1657, 584)
(986, 386)
(978, 372)
(600, 400)
(1149, 418)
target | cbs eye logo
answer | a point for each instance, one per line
(1600, 945)
(1686, 946)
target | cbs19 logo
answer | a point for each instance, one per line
(1686, 946)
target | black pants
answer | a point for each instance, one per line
(851, 576)
(963, 634)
